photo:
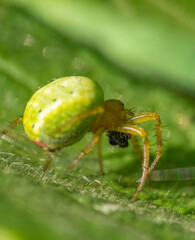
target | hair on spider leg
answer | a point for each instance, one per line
(164, 126)
(164, 140)
(164, 144)
(153, 145)
(154, 136)
(133, 109)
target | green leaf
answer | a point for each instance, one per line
(139, 52)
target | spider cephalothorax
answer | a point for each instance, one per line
(118, 138)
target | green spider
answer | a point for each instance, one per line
(60, 113)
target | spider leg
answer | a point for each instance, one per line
(95, 139)
(12, 125)
(100, 156)
(147, 116)
(134, 140)
(136, 146)
(51, 154)
(135, 130)
(95, 111)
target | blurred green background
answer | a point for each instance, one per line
(141, 52)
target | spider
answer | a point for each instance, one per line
(60, 113)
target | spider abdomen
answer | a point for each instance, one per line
(57, 103)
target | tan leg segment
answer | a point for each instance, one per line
(12, 125)
(51, 154)
(100, 156)
(134, 140)
(95, 139)
(135, 130)
(136, 146)
(147, 116)
(79, 117)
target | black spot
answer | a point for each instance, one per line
(119, 138)
(71, 92)
(54, 100)
(40, 110)
(33, 125)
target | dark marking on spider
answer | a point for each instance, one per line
(118, 138)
